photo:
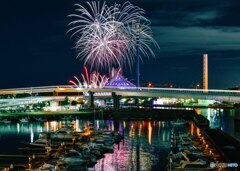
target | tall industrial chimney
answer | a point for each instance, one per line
(205, 71)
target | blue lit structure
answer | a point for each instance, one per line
(119, 81)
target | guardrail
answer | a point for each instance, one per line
(69, 88)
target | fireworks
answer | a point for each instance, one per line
(93, 80)
(106, 35)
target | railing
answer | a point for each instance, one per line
(180, 90)
(28, 100)
(228, 95)
(66, 88)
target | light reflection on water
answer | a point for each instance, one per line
(145, 146)
(223, 119)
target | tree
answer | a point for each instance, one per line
(74, 103)
(65, 102)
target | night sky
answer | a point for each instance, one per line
(36, 51)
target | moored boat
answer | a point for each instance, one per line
(24, 120)
(6, 121)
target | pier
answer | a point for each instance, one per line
(227, 146)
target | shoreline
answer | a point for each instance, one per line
(120, 114)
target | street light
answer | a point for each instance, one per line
(149, 84)
(198, 86)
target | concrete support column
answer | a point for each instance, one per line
(116, 100)
(90, 100)
(136, 101)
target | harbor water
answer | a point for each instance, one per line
(146, 143)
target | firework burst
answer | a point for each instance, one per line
(92, 80)
(106, 35)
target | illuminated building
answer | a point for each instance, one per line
(119, 81)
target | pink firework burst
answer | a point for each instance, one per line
(92, 80)
(106, 35)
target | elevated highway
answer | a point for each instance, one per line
(11, 102)
(219, 95)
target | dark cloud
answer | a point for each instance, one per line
(227, 59)
(175, 41)
(193, 13)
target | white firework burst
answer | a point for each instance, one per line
(107, 35)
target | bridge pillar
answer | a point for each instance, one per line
(136, 101)
(116, 100)
(90, 100)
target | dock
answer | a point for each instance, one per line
(227, 146)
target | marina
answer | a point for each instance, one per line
(147, 141)
(69, 142)
(196, 152)
(60, 148)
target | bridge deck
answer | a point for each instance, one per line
(221, 95)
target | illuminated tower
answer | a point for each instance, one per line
(136, 25)
(205, 71)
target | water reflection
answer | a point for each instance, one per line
(31, 133)
(140, 130)
(223, 119)
(145, 145)
(149, 133)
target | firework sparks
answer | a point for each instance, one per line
(106, 35)
(93, 80)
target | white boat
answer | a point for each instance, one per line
(24, 120)
(62, 134)
(186, 163)
(6, 121)
(106, 147)
(41, 120)
(46, 167)
(191, 164)
(74, 157)
(40, 143)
